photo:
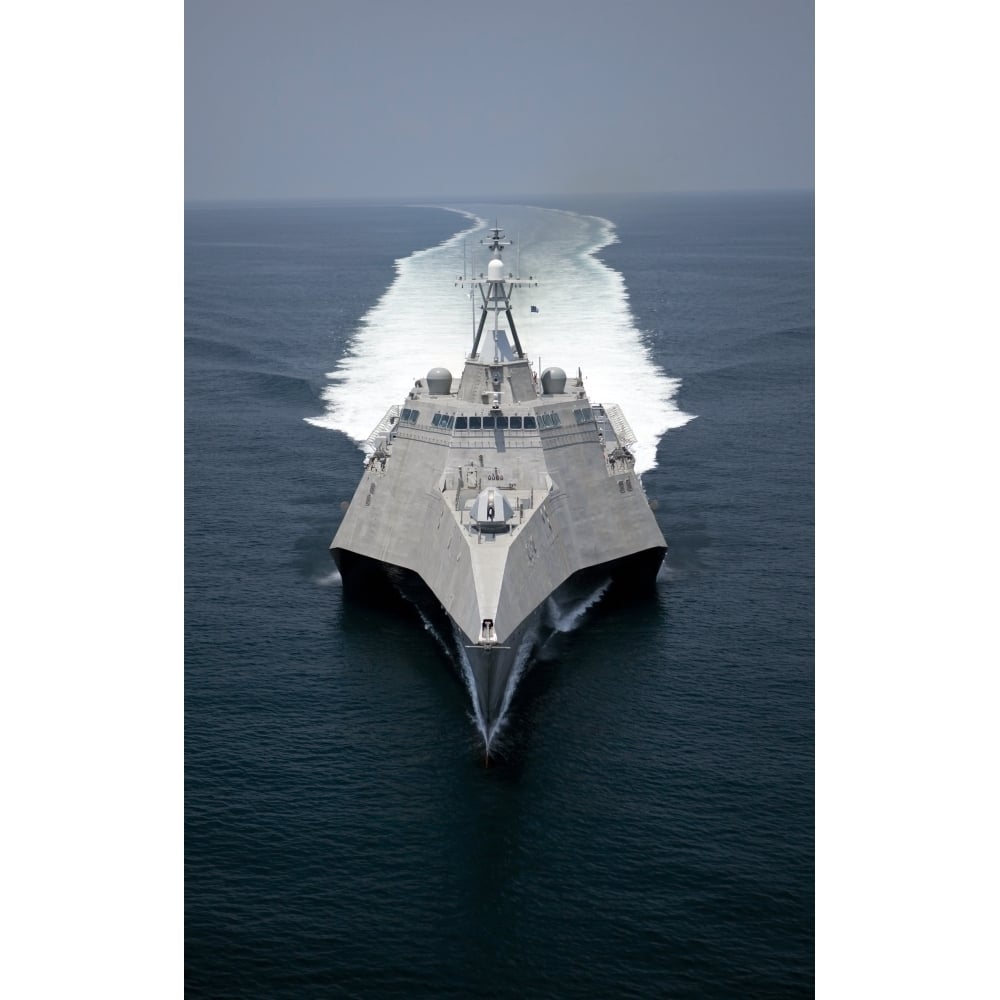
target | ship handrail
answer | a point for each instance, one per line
(620, 425)
(384, 426)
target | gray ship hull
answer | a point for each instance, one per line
(499, 491)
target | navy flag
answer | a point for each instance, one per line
(534, 309)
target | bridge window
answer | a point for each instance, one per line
(501, 422)
(475, 423)
(546, 419)
(555, 419)
(515, 423)
(530, 424)
(489, 423)
(461, 423)
(414, 416)
(405, 415)
(436, 419)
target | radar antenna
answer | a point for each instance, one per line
(495, 290)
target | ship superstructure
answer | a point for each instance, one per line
(495, 492)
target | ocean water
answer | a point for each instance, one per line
(645, 827)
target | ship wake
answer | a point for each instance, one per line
(561, 615)
(491, 734)
(579, 307)
(564, 615)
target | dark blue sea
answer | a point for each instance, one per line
(646, 827)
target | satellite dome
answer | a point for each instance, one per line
(553, 381)
(495, 271)
(439, 381)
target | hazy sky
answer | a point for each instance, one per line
(327, 98)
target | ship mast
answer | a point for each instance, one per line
(495, 293)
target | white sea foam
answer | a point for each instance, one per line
(564, 618)
(429, 627)
(520, 662)
(583, 321)
(470, 682)
(528, 643)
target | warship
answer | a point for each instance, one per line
(496, 494)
